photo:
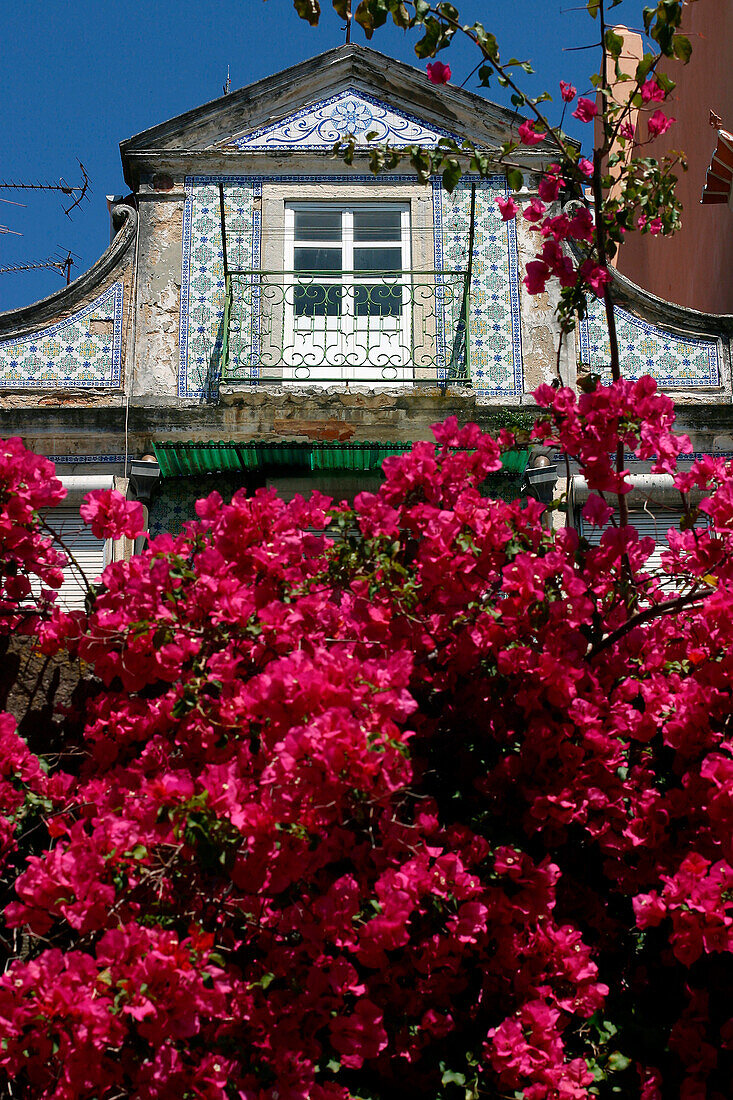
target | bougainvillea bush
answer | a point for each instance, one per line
(412, 799)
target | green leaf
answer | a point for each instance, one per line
(401, 16)
(484, 75)
(594, 6)
(450, 1077)
(515, 179)
(452, 173)
(642, 69)
(310, 10)
(428, 45)
(486, 41)
(371, 14)
(420, 161)
(618, 1062)
(614, 43)
(341, 7)
(448, 11)
(682, 48)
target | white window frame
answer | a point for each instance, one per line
(341, 343)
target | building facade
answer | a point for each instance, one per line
(267, 315)
(692, 267)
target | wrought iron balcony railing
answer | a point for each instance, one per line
(374, 328)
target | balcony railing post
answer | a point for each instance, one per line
(467, 288)
(226, 323)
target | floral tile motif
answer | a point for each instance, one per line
(202, 278)
(84, 350)
(495, 318)
(321, 124)
(496, 354)
(677, 362)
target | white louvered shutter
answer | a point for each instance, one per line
(88, 551)
(647, 524)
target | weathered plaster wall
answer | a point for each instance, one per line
(693, 267)
(540, 328)
(158, 299)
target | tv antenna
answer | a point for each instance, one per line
(77, 192)
(227, 86)
(60, 263)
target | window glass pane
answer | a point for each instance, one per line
(317, 259)
(377, 259)
(318, 225)
(377, 301)
(317, 301)
(377, 225)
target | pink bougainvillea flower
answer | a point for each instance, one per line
(655, 226)
(658, 124)
(438, 73)
(586, 110)
(111, 516)
(581, 225)
(627, 131)
(535, 211)
(652, 93)
(567, 92)
(595, 276)
(537, 275)
(508, 208)
(528, 134)
(586, 166)
(597, 511)
(549, 188)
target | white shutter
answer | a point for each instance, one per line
(647, 524)
(86, 548)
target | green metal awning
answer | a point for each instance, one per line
(188, 459)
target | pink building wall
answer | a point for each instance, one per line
(695, 267)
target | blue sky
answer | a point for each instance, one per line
(78, 78)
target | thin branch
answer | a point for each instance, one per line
(668, 607)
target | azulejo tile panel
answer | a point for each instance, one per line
(677, 362)
(495, 318)
(495, 328)
(321, 124)
(202, 277)
(84, 350)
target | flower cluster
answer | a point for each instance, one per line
(433, 807)
(29, 558)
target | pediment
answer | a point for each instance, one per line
(307, 108)
(350, 111)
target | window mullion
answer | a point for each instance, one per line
(347, 234)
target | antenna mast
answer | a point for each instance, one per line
(62, 264)
(77, 192)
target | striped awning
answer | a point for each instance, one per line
(188, 459)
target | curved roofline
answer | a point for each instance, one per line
(27, 319)
(666, 314)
